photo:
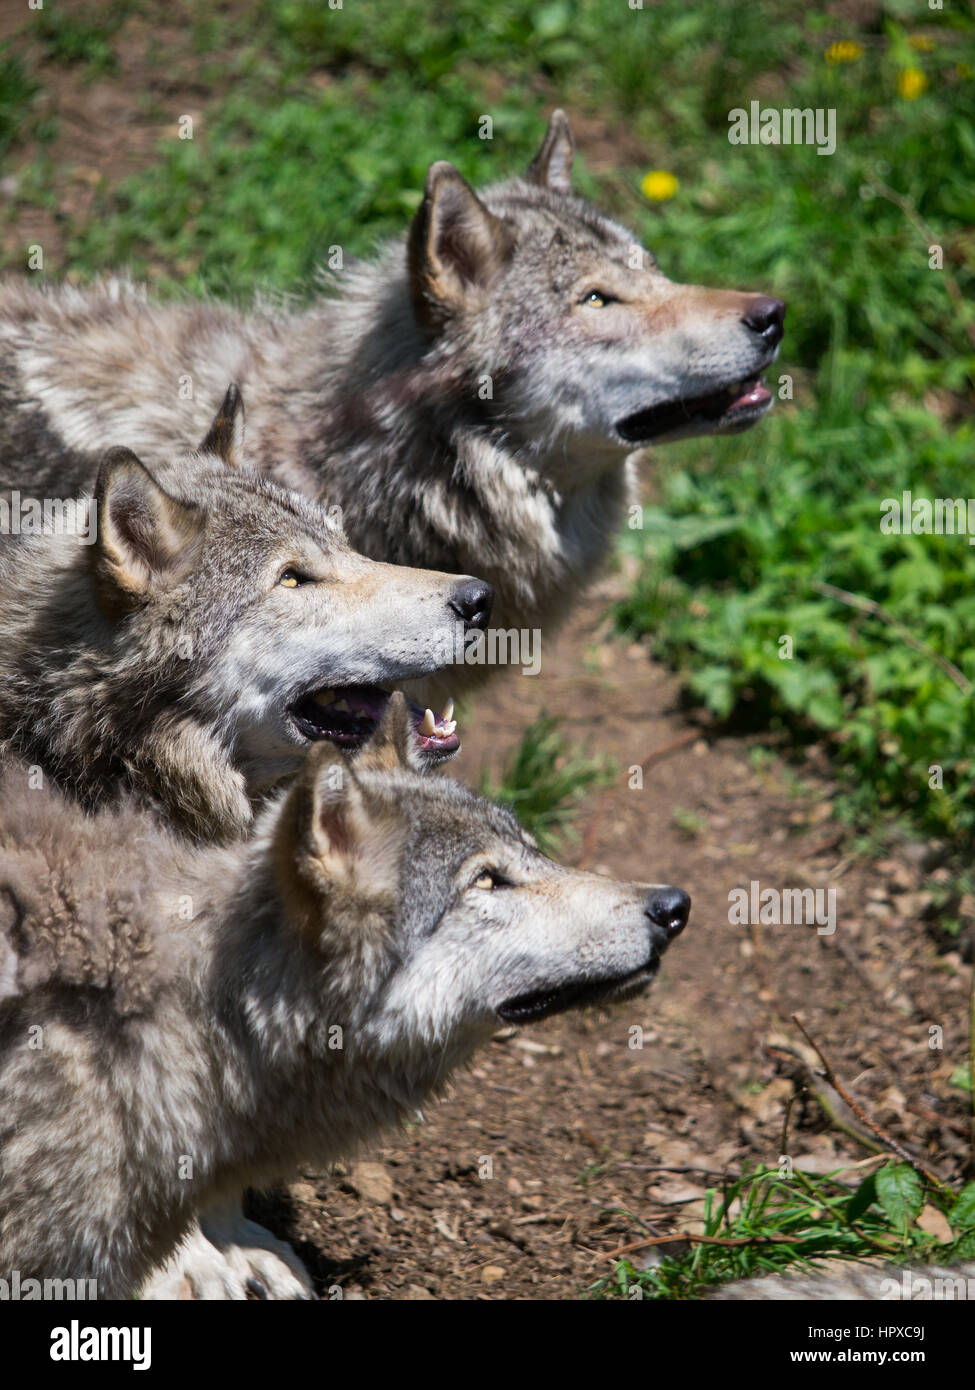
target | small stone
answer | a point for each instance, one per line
(371, 1182)
(490, 1274)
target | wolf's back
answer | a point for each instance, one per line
(859, 1282)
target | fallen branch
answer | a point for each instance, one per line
(697, 1240)
(887, 1139)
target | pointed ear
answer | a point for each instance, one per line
(393, 744)
(146, 539)
(552, 166)
(334, 807)
(456, 246)
(334, 836)
(225, 437)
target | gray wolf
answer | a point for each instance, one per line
(177, 1022)
(214, 627)
(470, 399)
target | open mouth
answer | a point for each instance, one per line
(527, 1008)
(733, 408)
(347, 715)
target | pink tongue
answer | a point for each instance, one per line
(759, 392)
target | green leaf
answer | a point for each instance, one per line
(962, 1214)
(900, 1193)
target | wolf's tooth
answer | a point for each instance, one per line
(446, 727)
(429, 724)
(448, 712)
(323, 697)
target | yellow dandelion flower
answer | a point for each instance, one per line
(659, 185)
(843, 51)
(911, 82)
(921, 43)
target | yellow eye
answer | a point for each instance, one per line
(290, 579)
(484, 880)
(595, 300)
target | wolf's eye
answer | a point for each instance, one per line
(291, 578)
(489, 879)
(596, 299)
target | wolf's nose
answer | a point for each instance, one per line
(472, 602)
(669, 908)
(766, 317)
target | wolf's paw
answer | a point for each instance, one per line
(229, 1257)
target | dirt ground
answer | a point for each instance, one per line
(566, 1141)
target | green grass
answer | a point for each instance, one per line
(17, 91)
(780, 1224)
(750, 530)
(83, 39)
(544, 780)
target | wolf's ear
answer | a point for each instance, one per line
(334, 835)
(333, 807)
(225, 437)
(393, 744)
(552, 166)
(456, 246)
(145, 537)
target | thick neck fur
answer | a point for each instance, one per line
(292, 1065)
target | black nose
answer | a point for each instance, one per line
(668, 908)
(472, 601)
(766, 317)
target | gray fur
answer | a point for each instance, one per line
(373, 397)
(168, 657)
(205, 1030)
(858, 1282)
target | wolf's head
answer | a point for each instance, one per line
(214, 628)
(592, 352)
(436, 917)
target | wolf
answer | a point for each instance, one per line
(177, 1021)
(203, 630)
(471, 399)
